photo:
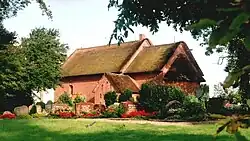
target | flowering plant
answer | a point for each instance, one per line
(93, 114)
(8, 116)
(66, 114)
(141, 113)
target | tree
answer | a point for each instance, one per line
(44, 55)
(238, 57)
(13, 90)
(34, 65)
(216, 22)
(10, 8)
(6, 62)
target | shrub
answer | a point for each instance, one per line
(216, 116)
(53, 116)
(79, 99)
(156, 97)
(64, 98)
(235, 98)
(175, 93)
(193, 108)
(36, 115)
(42, 104)
(125, 96)
(114, 111)
(215, 105)
(24, 117)
(110, 98)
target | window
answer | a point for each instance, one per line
(71, 89)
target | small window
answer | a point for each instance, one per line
(71, 89)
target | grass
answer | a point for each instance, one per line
(76, 130)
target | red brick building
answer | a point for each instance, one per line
(93, 71)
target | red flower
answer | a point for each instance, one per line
(66, 114)
(141, 113)
(91, 115)
(8, 116)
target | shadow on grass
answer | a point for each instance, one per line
(23, 130)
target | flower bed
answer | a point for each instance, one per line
(91, 115)
(8, 116)
(141, 113)
(66, 115)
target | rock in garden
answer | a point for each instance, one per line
(6, 112)
(30, 107)
(21, 110)
(48, 107)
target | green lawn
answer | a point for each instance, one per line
(75, 130)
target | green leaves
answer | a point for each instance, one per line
(233, 124)
(228, 9)
(215, 37)
(218, 23)
(202, 24)
(239, 20)
(224, 33)
(10, 8)
(35, 65)
(234, 77)
(246, 42)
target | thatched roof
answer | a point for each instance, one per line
(122, 82)
(102, 59)
(111, 59)
(152, 58)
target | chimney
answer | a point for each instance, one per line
(142, 37)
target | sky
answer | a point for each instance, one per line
(87, 23)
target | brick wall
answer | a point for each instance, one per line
(82, 85)
(92, 88)
(141, 78)
(187, 87)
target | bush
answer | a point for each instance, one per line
(65, 99)
(193, 109)
(156, 97)
(125, 96)
(114, 111)
(24, 117)
(110, 98)
(36, 115)
(216, 116)
(175, 93)
(53, 116)
(215, 105)
(42, 104)
(79, 99)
